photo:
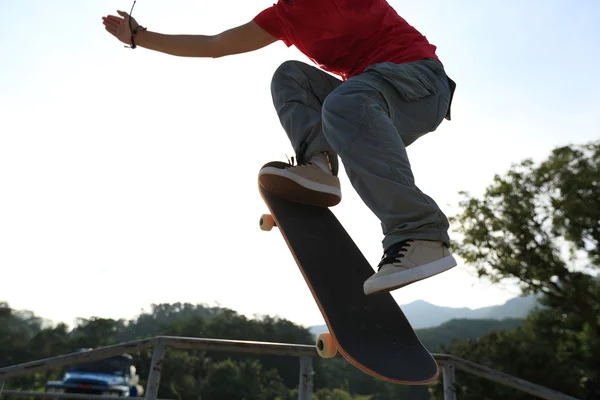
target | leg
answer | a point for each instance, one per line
(369, 121)
(299, 91)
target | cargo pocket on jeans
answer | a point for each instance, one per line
(413, 81)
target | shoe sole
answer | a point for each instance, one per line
(400, 279)
(295, 188)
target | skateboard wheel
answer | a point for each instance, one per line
(267, 222)
(326, 346)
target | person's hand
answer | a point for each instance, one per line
(119, 26)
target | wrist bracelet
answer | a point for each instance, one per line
(133, 32)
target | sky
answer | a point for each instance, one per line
(128, 177)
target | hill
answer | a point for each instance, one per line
(422, 314)
(462, 329)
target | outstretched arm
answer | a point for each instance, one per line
(241, 39)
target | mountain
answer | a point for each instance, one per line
(422, 314)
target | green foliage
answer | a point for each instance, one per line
(185, 373)
(539, 226)
(229, 380)
(519, 228)
(333, 394)
(527, 353)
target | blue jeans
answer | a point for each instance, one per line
(368, 121)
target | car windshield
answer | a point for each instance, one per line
(114, 366)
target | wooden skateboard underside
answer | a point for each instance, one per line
(371, 332)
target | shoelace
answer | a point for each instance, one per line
(294, 162)
(394, 253)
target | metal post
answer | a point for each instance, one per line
(1, 387)
(158, 356)
(305, 388)
(449, 381)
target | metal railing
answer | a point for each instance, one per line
(306, 353)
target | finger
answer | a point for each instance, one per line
(111, 26)
(123, 14)
(111, 22)
(113, 18)
(111, 31)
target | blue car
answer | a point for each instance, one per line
(115, 376)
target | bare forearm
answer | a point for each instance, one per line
(241, 39)
(179, 45)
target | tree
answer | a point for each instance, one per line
(539, 226)
(96, 332)
(241, 381)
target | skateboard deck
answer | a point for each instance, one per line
(371, 332)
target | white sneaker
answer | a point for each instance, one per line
(305, 183)
(408, 262)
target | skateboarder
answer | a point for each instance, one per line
(390, 90)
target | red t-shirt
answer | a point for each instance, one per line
(345, 36)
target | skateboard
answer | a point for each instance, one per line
(371, 332)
